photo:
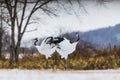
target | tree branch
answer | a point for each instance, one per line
(28, 19)
(28, 2)
(8, 7)
(42, 4)
(23, 13)
(31, 30)
(6, 22)
(47, 11)
(31, 23)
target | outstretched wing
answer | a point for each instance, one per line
(46, 49)
(65, 48)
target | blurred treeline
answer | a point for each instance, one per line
(108, 58)
(86, 56)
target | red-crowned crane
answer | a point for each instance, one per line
(60, 44)
(44, 48)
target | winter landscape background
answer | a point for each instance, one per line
(97, 54)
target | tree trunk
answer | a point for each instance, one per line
(12, 53)
(17, 53)
(18, 47)
(12, 45)
(1, 33)
(0, 43)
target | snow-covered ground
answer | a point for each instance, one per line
(15, 74)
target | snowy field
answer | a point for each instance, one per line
(15, 74)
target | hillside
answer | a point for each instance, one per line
(103, 37)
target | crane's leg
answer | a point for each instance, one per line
(65, 64)
(54, 65)
(46, 63)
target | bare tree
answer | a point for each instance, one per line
(1, 29)
(19, 22)
(4, 36)
(1, 34)
(14, 7)
(1, 41)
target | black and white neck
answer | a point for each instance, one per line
(36, 40)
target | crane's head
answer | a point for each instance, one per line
(48, 39)
(35, 41)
